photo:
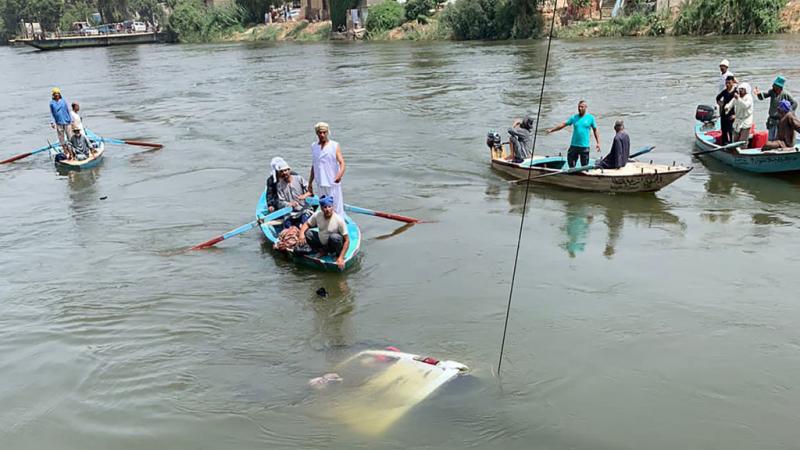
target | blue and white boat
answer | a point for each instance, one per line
(92, 161)
(272, 230)
(749, 159)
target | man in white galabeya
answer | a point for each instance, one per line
(724, 73)
(327, 168)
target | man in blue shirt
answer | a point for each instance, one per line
(582, 123)
(62, 119)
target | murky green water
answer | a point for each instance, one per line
(638, 322)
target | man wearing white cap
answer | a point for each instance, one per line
(327, 168)
(724, 73)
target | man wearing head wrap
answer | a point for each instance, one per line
(272, 182)
(327, 168)
(775, 96)
(520, 139)
(620, 149)
(742, 106)
(724, 73)
(331, 236)
(291, 190)
(61, 119)
(788, 124)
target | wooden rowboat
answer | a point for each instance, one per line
(85, 164)
(634, 177)
(272, 229)
(750, 159)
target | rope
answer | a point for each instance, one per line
(527, 189)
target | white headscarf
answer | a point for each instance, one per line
(277, 164)
(745, 86)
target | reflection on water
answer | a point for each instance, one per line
(333, 313)
(581, 208)
(777, 194)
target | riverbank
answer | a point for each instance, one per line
(633, 25)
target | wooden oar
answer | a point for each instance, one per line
(641, 151)
(25, 155)
(385, 215)
(244, 228)
(124, 141)
(355, 209)
(724, 147)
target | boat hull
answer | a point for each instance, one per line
(86, 163)
(751, 160)
(103, 40)
(634, 177)
(327, 262)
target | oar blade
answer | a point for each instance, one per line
(208, 243)
(144, 144)
(25, 155)
(642, 151)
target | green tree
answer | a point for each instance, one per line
(254, 10)
(416, 8)
(385, 16)
(473, 19)
(149, 10)
(113, 10)
(75, 11)
(730, 17)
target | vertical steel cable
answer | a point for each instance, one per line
(527, 187)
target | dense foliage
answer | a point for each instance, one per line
(492, 19)
(385, 16)
(191, 21)
(417, 8)
(730, 17)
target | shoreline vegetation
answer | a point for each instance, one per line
(462, 21)
(190, 21)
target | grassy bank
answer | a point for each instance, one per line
(289, 31)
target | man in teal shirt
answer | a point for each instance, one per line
(582, 123)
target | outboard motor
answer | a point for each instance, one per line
(704, 113)
(495, 144)
(493, 140)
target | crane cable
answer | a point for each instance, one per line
(527, 189)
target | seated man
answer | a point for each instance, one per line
(620, 149)
(291, 190)
(332, 237)
(520, 139)
(79, 145)
(787, 125)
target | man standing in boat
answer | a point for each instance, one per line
(582, 123)
(726, 118)
(724, 73)
(61, 118)
(332, 237)
(775, 96)
(327, 168)
(76, 117)
(620, 149)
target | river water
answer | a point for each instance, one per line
(655, 321)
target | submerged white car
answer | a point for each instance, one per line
(372, 389)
